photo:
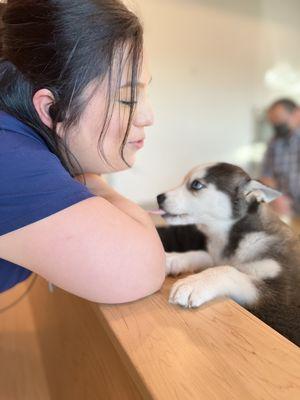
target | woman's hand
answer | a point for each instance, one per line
(96, 184)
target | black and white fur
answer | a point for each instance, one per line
(250, 256)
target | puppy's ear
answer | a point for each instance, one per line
(255, 190)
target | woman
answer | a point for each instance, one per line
(73, 101)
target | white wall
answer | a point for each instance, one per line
(209, 59)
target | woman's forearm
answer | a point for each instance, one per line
(130, 208)
(99, 187)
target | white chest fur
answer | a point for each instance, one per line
(252, 247)
(215, 248)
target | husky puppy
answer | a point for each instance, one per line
(251, 256)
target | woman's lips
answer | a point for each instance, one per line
(138, 144)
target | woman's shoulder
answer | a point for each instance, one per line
(13, 130)
(22, 151)
(33, 182)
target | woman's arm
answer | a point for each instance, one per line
(92, 249)
(99, 187)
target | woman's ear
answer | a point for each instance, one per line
(43, 99)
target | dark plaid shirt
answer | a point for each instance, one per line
(282, 163)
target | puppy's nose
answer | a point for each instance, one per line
(161, 198)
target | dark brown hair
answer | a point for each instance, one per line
(63, 45)
(288, 104)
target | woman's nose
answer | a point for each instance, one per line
(144, 116)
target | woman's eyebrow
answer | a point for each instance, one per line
(139, 84)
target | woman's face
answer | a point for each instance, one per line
(83, 139)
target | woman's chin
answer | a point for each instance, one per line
(119, 165)
(130, 158)
(122, 166)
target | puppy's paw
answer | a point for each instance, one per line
(175, 263)
(194, 290)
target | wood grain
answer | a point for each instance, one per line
(21, 370)
(79, 359)
(150, 349)
(217, 352)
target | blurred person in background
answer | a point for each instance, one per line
(281, 163)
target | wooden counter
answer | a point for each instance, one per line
(150, 349)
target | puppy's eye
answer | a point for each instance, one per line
(197, 185)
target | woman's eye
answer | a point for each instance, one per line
(197, 185)
(128, 103)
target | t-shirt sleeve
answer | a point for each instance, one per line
(34, 185)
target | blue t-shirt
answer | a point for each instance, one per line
(33, 185)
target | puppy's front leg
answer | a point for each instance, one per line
(191, 261)
(200, 288)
